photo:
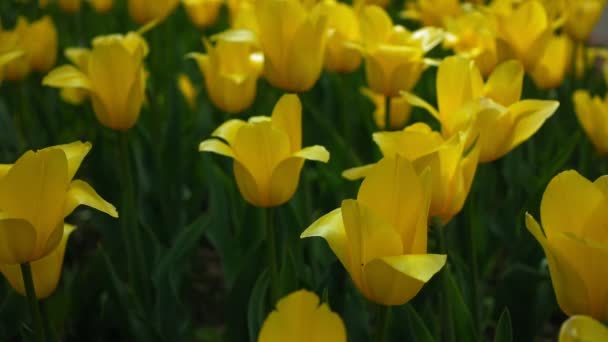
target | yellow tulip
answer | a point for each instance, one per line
(202, 13)
(45, 272)
(41, 44)
(145, 11)
(525, 30)
(231, 69)
(343, 29)
(592, 114)
(187, 89)
(381, 237)
(360, 3)
(36, 193)
(399, 109)
(452, 169)
(394, 57)
(9, 50)
(432, 12)
(70, 6)
(18, 68)
(244, 16)
(582, 329)
(473, 35)
(114, 78)
(556, 58)
(493, 108)
(574, 238)
(293, 40)
(102, 6)
(267, 152)
(582, 16)
(300, 318)
(80, 58)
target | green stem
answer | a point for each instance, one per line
(387, 113)
(48, 327)
(28, 281)
(382, 323)
(272, 254)
(474, 265)
(129, 219)
(446, 312)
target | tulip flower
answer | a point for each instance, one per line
(70, 6)
(293, 40)
(582, 328)
(38, 41)
(582, 16)
(36, 193)
(493, 108)
(550, 69)
(231, 69)
(45, 272)
(267, 152)
(202, 13)
(432, 12)
(114, 78)
(187, 89)
(592, 113)
(451, 167)
(343, 31)
(102, 6)
(145, 11)
(80, 58)
(299, 318)
(360, 3)
(400, 109)
(9, 50)
(574, 239)
(394, 57)
(381, 237)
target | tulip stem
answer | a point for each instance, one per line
(28, 281)
(446, 312)
(387, 113)
(272, 255)
(383, 320)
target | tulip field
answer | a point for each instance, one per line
(290, 170)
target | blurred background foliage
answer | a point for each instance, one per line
(204, 245)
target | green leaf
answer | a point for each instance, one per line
(504, 331)
(256, 308)
(464, 328)
(416, 325)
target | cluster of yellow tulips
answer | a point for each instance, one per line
(481, 59)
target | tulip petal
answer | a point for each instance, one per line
(285, 180)
(316, 152)
(67, 76)
(287, 116)
(528, 116)
(505, 83)
(419, 102)
(216, 146)
(81, 193)
(331, 228)
(75, 153)
(582, 328)
(4, 169)
(357, 172)
(248, 186)
(228, 130)
(305, 55)
(457, 80)
(397, 279)
(376, 25)
(45, 272)
(17, 241)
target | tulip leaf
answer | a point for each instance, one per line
(417, 326)
(464, 328)
(504, 331)
(256, 308)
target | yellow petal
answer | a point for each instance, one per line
(357, 172)
(397, 279)
(331, 228)
(582, 328)
(17, 241)
(316, 152)
(376, 25)
(67, 76)
(228, 130)
(456, 79)
(4, 169)
(300, 318)
(529, 116)
(75, 153)
(287, 116)
(81, 193)
(305, 55)
(505, 83)
(413, 142)
(249, 187)
(45, 272)
(216, 146)
(419, 102)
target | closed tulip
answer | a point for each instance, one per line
(36, 193)
(381, 237)
(102, 6)
(343, 31)
(581, 328)
(41, 44)
(299, 318)
(581, 18)
(231, 69)
(550, 69)
(451, 167)
(46, 272)
(592, 113)
(293, 40)
(114, 79)
(145, 11)
(267, 152)
(493, 108)
(394, 56)
(70, 6)
(400, 110)
(202, 13)
(432, 12)
(574, 238)
(9, 50)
